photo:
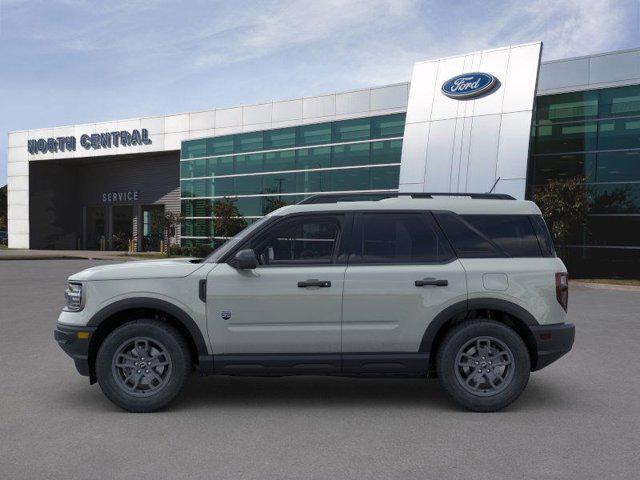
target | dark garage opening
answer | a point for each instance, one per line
(95, 203)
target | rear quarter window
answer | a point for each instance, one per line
(483, 236)
(544, 237)
(513, 234)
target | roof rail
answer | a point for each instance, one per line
(346, 197)
(364, 196)
(475, 196)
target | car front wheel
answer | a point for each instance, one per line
(483, 365)
(143, 365)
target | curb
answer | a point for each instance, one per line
(59, 257)
(606, 286)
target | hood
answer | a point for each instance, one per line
(175, 268)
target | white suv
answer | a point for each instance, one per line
(467, 288)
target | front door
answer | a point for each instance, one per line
(291, 303)
(401, 275)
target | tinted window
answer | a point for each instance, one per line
(305, 240)
(400, 238)
(514, 234)
(544, 237)
(468, 242)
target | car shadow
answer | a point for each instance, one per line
(311, 392)
(250, 392)
(300, 392)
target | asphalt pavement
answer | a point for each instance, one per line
(578, 418)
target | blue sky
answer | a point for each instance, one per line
(73, 61)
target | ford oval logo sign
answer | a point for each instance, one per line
(468, 85)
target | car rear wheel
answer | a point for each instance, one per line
(143, 365)
(483, 365)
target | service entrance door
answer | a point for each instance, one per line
(121, 227)
(150, 232)
(96, 227)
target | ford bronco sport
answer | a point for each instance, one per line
(466, 288)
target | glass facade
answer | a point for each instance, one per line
(266, 169)
(594, 134)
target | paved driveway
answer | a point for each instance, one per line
(578, 419)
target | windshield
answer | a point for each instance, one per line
(222, 250)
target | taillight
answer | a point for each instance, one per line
(562, 289)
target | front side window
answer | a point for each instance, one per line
(400, 238)
(229, 245)
(299, 241)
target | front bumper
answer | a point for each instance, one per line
(75, 343)
(552, 342)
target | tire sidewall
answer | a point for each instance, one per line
(461, 335)
(156, 330)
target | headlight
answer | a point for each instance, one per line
(73, 296)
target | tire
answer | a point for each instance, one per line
(140, 383)
(502, 360)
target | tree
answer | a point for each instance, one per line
(228, 221)
(564, 205)
(272, 203)
(166, 222)
(619, 200)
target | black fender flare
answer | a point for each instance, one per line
(155, 304)
(465, 306)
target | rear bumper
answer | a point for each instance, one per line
(552, 342)
(77, 348)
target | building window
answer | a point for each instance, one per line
(268, 169)
(352, 130)
(594, 135)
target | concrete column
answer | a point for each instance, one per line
(84, 227)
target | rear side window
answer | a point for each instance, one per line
(513, 234)
(399, 238)
(544, 237)
(467, 240)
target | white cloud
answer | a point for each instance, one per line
(376, 40)
(567, 28)
(288, 25)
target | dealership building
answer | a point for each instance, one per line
(496, 119)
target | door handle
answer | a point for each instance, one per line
(202, 290)
(431, 281)
(314, 283)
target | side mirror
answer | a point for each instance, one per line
(246, 260)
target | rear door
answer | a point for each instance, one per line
(401, 274)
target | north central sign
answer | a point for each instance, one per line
(93, 141)
(469, 85)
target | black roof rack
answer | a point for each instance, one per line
(346, 197)
(475, 196)
(364, 196)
